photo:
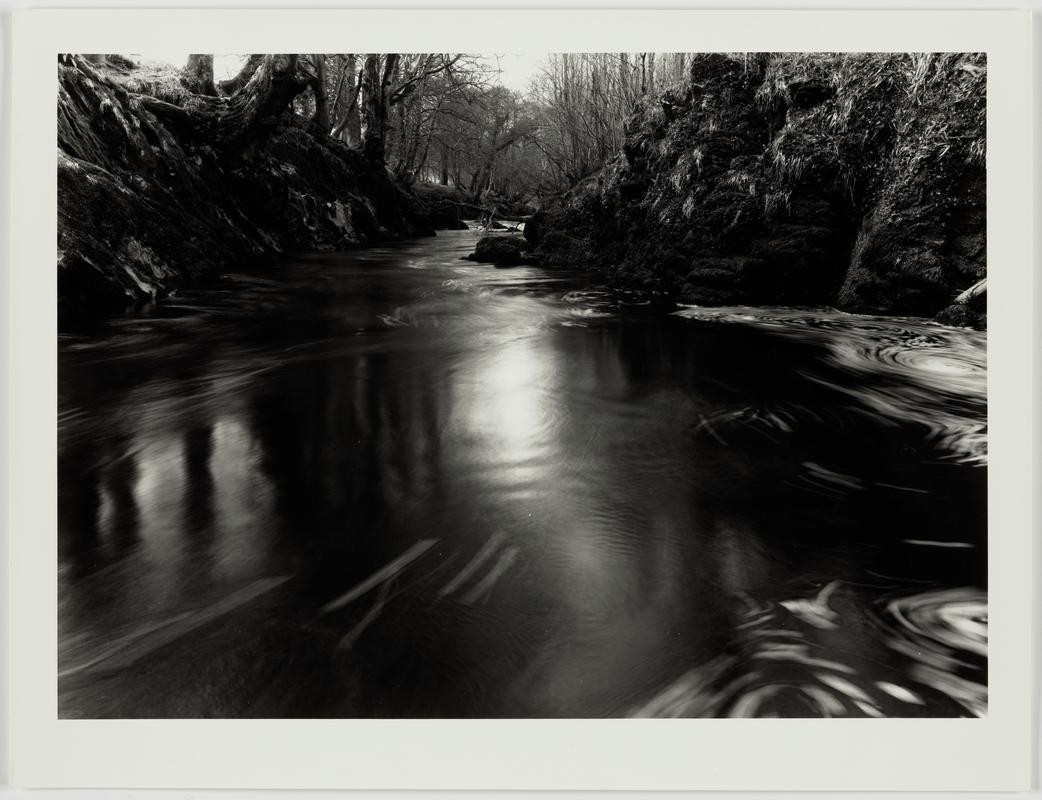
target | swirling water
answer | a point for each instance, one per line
(392, 483)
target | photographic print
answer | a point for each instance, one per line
(522, 385)
(521, 399)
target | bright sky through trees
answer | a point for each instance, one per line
(516, 70)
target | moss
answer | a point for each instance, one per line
(852, 179)
(144, 209)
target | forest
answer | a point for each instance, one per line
(444, 118)
(851, 180)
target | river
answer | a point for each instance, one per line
(391, 483)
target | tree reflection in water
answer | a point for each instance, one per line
(536, 502)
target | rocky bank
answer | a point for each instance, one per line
(851, 180)
(160, 188)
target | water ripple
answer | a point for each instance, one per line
(902, 369)
(802, 657)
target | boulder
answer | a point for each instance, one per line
(969, 309)
(503, 251)
(960, 315)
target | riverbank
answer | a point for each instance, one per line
(854, 182)
(152, 197)
(796, 179)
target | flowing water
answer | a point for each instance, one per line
(393, 483)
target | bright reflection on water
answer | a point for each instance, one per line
(503, 399)
(392, 483)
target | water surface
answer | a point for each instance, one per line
(393, 483)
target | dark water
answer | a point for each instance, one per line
(391, 483)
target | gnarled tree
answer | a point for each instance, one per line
(235, 122)
(198, 74)
(237, 81)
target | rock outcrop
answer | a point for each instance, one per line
(852, 180)
(149, 200)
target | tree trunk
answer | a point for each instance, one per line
(443, 158)
(350, 126)
(374, 105)
(400, 151)
(255, 108)
(236, 122)
(233, 84)
(198, 75)
(374, 112)
(422, 166)
(979, 288)
(353, 129)
(353, 119)
(320, 122)
(336, 108)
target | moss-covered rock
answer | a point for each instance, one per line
(507, 250)
(854, 180)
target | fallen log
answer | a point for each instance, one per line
(979, 288)
(968, 309)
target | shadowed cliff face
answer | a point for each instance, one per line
(148, 203)
(852, 180)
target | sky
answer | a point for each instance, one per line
(516, 69)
